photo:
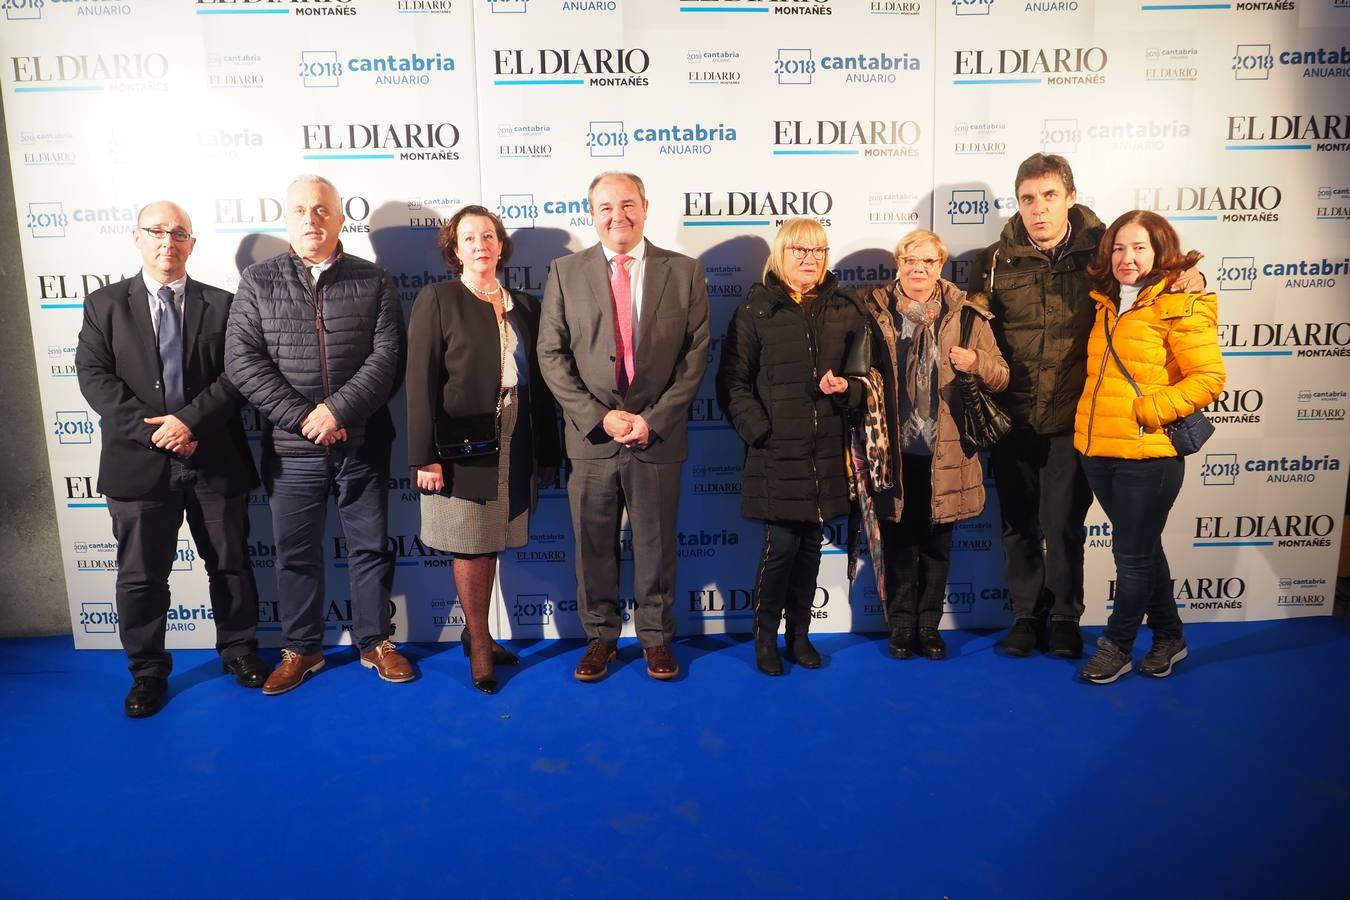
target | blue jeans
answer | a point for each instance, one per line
(298, 488)
(1137, 495)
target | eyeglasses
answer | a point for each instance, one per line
(816, 252)
(179, 235)
(913, 262)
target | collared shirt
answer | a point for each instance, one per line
(315, 270)
(1055, 252)
(635, 270)
(179, 293)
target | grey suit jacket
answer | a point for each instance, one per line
(577, 350)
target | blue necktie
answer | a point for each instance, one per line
(170, 351)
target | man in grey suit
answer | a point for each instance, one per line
(623, 343)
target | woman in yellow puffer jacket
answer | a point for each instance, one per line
(1169, 344)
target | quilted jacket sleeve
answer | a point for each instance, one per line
(1193, 353)
(371, 386)
(736, 375)
(251, 368)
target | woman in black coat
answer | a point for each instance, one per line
(471, 362)
(777, 386)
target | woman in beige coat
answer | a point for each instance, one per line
(916, 329)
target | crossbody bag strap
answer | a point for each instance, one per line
(1116, 356)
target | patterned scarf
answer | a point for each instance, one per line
(869, 467)
(918, 427)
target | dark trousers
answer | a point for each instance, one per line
(1137, 495)
(786, 579)
(1044, 498)
(917, 551)
(598, 491)
(146, 529)
(298, 488)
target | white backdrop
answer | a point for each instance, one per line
(876, 116)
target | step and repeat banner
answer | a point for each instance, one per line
(874, 116)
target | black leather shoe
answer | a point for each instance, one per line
(931, 644)
(902, 642)
(800, 651)
(146, 696)
(500, 655)
(487, 684)
(248, 670)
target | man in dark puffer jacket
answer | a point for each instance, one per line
(315, 342)
(1035, 283)
(1034, 280)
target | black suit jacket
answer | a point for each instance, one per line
(117, 362)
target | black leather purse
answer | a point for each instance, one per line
(982, 422)
(858, 353)
(466, 436)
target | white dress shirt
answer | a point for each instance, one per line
(635, 270)
(179, 291)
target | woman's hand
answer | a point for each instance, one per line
(1189, 281)
(430, 479)
(831, 383)
(963, 360)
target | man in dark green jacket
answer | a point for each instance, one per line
(1035, 282)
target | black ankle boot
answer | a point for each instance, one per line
(799, 649)
(767, 659)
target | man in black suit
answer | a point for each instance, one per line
(151, 362)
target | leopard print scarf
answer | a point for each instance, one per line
(875, 435)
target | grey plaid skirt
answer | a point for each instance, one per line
(456, 525)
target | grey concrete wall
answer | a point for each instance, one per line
(32, 588)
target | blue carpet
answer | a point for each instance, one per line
(978, 777)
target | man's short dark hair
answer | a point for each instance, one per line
(1038, 165)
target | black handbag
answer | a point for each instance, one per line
(1189, 433)
(858, 353)
(466, 436)
(982, 422)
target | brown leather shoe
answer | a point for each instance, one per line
(293, 669)
(392, 665)
(661, 663)
(594, 663)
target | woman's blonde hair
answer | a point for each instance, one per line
(798, 232)
(915, 238)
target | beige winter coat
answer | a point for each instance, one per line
(958, 478)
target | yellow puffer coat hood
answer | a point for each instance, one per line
(1170, 345)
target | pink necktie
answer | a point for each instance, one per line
(622, 287)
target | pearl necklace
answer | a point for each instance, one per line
(489, 296)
